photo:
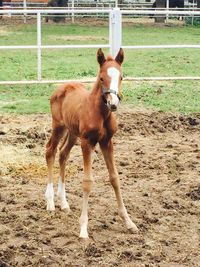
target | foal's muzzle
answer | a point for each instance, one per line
(108, 103)
(111, 107)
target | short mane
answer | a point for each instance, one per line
(109, 58)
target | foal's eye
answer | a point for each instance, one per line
(121, 78)
(101, 79)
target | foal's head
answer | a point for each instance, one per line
(110, 76)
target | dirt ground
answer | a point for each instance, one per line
(158, 159)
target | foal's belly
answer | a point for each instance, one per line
(72, 109)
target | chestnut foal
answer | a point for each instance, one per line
(87, 115)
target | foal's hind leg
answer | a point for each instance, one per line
(65, 149)
(107, 150)
(51, 149)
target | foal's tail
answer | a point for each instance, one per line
(46, 129)
(65, 140)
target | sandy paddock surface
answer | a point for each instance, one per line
(158, 159)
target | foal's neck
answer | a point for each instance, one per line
(96, 97)
(96, 90)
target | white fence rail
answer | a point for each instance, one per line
(115, 38)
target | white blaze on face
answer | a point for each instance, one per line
(114, 73)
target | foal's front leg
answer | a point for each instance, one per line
(107, 150)
(87, 150)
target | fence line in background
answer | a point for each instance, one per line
(158, 46)
(115, 37)
(148, 11)
(92, 80)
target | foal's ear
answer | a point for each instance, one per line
(120, 56)
(100, 57)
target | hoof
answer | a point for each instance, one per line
(84, 232)
(50, 206)
(84, 235)
(133, 229)
(65, 206)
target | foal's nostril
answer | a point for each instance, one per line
(113, 107)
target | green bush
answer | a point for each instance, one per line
(192, 21)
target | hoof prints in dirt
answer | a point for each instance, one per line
(158, 158)
(158, 123)
(194, 194)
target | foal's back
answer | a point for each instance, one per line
(67, 101)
